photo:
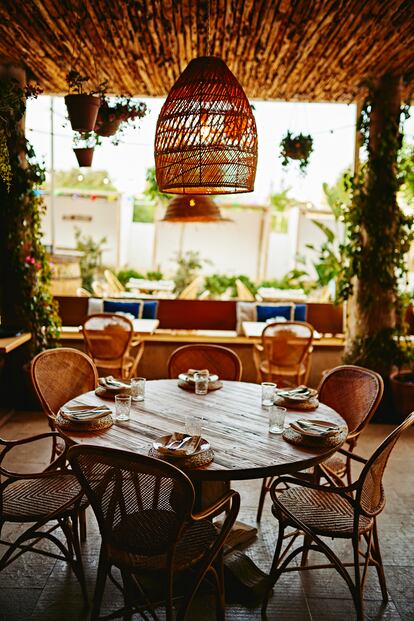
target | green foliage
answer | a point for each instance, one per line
(124, 275)
(91, 180)
(217, 284)
(154, 275)
(297, 147)
(152, 190)
(280, 201)
(91, 260)
(143, 212)
(188, 268)
(406, 170)
(25, 272)
(294, 279)
(86, 140)
(122, 109)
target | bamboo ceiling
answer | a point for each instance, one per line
(300, 50)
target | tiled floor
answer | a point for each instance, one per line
(37, 588)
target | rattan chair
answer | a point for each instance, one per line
(38, 499)
(59, 375)
(355, 393)
(144, 511)
(285, 353)
(219, 360)
(109, 340)
(336, 512)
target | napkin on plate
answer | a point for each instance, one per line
(84, 413)
(317, 428)
(180, 444)
(110, 383)
(192, 372)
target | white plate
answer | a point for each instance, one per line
(189, 378)
(330, 428)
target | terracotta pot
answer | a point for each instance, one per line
(402, 387)
(294, 154)
(84, 156)
(82, 111)
(107, 128)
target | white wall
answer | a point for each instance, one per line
(280, 256)
(140, 246)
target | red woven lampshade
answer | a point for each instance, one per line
(206, 136)
(191, 208)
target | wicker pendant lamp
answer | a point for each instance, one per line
(192, 208)
(206, 136)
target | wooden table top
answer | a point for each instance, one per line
(234, 423)
(12, 342)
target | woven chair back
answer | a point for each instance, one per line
(107, 336)
(287, 343)
(219, 360)
(370, 494)
(59, 375)
(354, 392)
(141, 503)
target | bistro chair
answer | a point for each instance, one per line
(59, 375)
(337, 512)
(51, 499)
(219, 360)
(355, 393)
(285, 353)
(144, 508)
(109, 340)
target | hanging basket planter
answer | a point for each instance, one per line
(106, 128)
(297, 147)
(82, 111)
(84, 156)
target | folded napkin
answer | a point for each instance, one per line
(110, 383)
(315, 427)
(301, 393)
(84, 413)
(192, 372)
(178, 443)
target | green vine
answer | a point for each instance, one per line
(378, 236)
(25, 298)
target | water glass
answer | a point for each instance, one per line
(268, 393)
(193, 424)
(138, 388)
(277, 417)
(122, 407)
(201, 382)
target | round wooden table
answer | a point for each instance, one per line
(234, 423)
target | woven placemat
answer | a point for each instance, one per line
(91, 425)
(190, 386)
(192, 461)
(294, 437)
(303, 406)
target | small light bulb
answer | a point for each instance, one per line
(80, 177)
(106, 180)
(192, 202)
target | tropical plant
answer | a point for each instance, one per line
(217, 284)
(406, 171)
(296, 147)
(152, 190)
(126, 274)
(154, 275)
(91, 259)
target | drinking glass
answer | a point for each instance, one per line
(277, 416)
(201, 382)
(193, 424)
(268, 393)
(122, 407)
(138, 388)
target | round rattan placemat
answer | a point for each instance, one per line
(192, 461)
(91, 425)
(294, 437)
(190, 386)
(303, 406)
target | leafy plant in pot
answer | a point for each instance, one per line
(83, 107)
(402, 381)
(84, 146)
(112, 118)
(297, 147)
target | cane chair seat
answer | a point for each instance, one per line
(134, 532)
(28, 500)
(336, 464)
(217, 359)
(325, 513)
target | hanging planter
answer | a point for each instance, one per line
(112, 119)
(82, 107)
(84, 155)
(297, 147)
(84, 146)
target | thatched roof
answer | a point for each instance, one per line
(301, 50)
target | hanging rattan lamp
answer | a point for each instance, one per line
(206, 136)
(192, 208)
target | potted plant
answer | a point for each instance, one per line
(296, 147)
(112, 117)
(402, 381)
(85, 143)
(82, 107)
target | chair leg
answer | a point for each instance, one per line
(265, 488)
(78, 557)
(358, 599)
(82, 525)
(221, 600)
(103, 568)
(273, 569)
(306, 543)
(379, 566)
